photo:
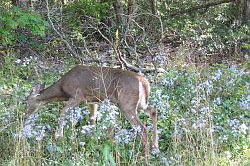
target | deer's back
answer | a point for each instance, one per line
(100, 82)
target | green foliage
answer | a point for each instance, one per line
(108, 158)
(81, 15)
(210, 35)
(90, 8)
(201, 113)
(13, 20)
(247, 46)
(208, 30)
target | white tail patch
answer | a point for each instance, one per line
(142, 97)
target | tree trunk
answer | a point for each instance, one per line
(153, 6)
(131, 10)
(243, 10)
(131, 4)
(246, 12)
(120, 17)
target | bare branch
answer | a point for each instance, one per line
(120, 57)
(58, 33)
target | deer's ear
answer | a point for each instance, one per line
(41, 87)
(38, 88)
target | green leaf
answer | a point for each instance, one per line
(108, 158)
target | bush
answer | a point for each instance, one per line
(14, 19)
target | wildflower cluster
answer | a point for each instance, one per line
(106, 118)
(87, 129)
(107, 115)
(237, 127)
(245, 102)
(126, 135)
(214, 103)
(76, 114)
(26, 61)
(160, 58)
(33, 131)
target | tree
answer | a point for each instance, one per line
(120, 16)
(153, 6)
(243, 10)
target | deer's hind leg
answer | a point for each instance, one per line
(153, 115)
(129, 108)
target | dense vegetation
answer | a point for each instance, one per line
(203, 118)
(201, 92)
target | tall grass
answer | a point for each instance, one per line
(203, 120)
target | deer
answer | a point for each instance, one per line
(91, 84)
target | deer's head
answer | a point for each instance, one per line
(32, 102)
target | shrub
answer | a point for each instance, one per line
(14, 19)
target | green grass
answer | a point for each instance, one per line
(203, 115)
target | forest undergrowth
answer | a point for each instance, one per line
(203, 119)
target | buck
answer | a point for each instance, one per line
(126, 89)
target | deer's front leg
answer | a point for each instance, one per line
(62, 121)
(93, 113)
